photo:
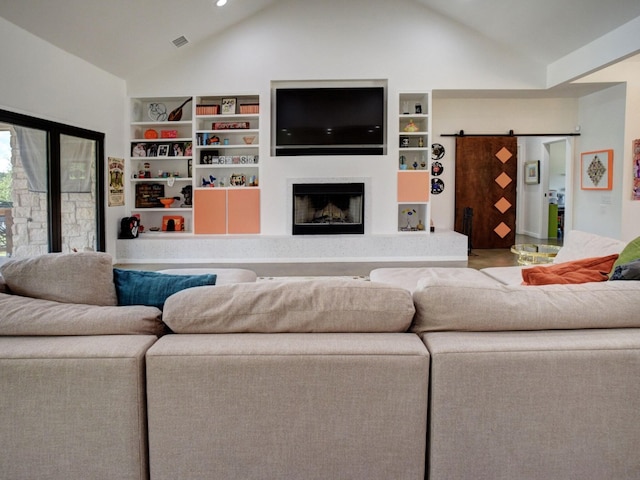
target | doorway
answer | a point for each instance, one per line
(544, 209)
(485, 183)
(51, 187)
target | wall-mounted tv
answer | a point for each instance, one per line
(329, 121)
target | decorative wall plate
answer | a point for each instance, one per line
(157, 112)
(437, 186)
(437, 151)
(436, 169)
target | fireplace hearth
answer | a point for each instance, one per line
(328, 208)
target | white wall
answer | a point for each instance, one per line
(43, 81)
(498, 115)
(602, 118)
(411, 47)
(403, 42)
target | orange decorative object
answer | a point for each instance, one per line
(172, 223)
(151, 133)
(167, 201)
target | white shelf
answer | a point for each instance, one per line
(218, 146)
(162, 209)
(162, 140)
(150, 123)
(225, 165)
(146, 159)
(234, 116)
(245, 187)
(162, 179)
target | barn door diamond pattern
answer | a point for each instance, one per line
(502, 229)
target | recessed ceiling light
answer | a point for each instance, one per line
(220, 3)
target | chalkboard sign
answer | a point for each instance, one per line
(148, 195)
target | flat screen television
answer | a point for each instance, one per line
(329, 121)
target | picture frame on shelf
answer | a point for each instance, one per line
(138, 150)
(596, 170)
(532, 172)
(228, 106)
(176, 150)
(163, 150)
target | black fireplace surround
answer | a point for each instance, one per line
(328, 208)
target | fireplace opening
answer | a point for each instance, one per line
(328, 208)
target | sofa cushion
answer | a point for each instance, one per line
(3, 285)
(469, 305)
(578, 244)
(135, 287)
(593, 269)
(83, 277)
(628, 254)
(318, 305)
(408, 277)
(32, 316)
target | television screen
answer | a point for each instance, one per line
(330, 121)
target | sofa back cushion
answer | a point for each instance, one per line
(83, 277)
(23, 316)
(578, 245)
(320, 305)
(468, 305)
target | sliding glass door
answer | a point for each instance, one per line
(51, 187)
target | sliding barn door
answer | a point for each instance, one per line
(486, 169)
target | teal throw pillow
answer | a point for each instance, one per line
(137, 287)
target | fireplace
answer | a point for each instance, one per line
(328, 208)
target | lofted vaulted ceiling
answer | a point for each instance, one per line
(127, 36)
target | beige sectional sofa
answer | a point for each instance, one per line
(423, 373)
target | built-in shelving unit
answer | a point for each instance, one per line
(226, 164)
(187, 148)
(414, 155)
(161, 157)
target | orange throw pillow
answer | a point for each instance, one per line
(593, 269)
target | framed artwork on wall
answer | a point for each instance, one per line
(596, 170)
(532, 172)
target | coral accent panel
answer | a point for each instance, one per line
(504, 155)
(502, 230)
(503, 180)
(413, 186)
(210, 207)
(243, 210)
(502, 205)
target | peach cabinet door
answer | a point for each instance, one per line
(244, 210)
(210, 207)
(413, 186)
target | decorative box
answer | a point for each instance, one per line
(250, 108)
(168, 133)
(207, 109)
(230, 125)
(172, 223)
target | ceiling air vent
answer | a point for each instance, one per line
(180, 41)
